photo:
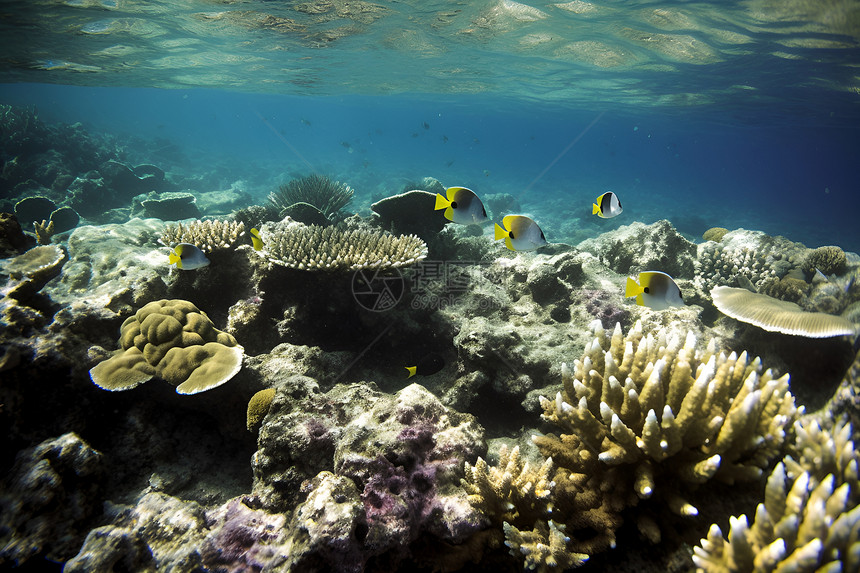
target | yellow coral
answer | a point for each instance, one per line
(258, 407)
(544, 548)
(714, 234)
(805, 526)
(174, 340)
(667, 414)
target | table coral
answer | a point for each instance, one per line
(667, 415)
(174, 340)
(309, 247)
(209, 236)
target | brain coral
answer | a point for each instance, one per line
(657, 415)
(308, 247)
(174, 340)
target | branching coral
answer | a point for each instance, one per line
(806, 525)
(208, 235)
(667, 415)
(298, 246)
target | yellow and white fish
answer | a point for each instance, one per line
(256, 240)
(187, 257)
(655, 289)
(606, 206)
(462, 206)
(520, 233)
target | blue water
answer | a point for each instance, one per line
(698, 168)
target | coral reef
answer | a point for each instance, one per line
(407, 213)
(803, 525)
(209, 236)
(168, 206)
(744, 256)
(12, 237)
(829, 260)
(49, 498)
(324, 196)
(174, 340)
(638, 247)
(31, 271)
(682, 416)
(297, 246)
(778, 315)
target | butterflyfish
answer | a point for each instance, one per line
(187, 257)
(256, 240)
(461, 206)
(429, 364)
(655, 290)
(606, 206)
(520, 233)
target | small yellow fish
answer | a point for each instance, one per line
(606, 206)
(655, 289)
(187, 257)
(520, 233)
(256, 240)
(461, 206)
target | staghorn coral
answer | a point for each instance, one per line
(208, 235)
(828, 260)
(511, 490)
(327, 197)
(663, 416)
(544, 548)
(174, 340)
(298, 246)
(806, 525)
(44, 231)
(820, 452)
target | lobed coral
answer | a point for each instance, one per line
(209, 236)
(715, 234)
(310, 247)
(174, 340)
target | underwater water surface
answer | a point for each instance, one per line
(743, 115)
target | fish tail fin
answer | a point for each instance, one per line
(174, 259)
(595, 209)
(500, 232)
(441, 202)
(412, 371)
(633, 288)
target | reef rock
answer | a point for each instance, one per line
(638, 247)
